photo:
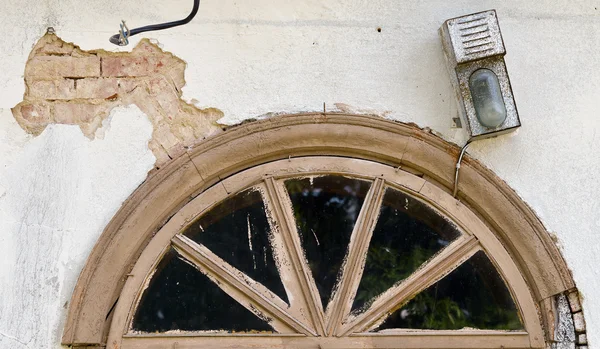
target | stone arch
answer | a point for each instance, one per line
(356, 136)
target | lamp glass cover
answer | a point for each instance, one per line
(487, 98)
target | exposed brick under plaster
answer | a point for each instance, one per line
(66, 85)
(569, 329)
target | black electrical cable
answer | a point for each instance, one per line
(116, 39)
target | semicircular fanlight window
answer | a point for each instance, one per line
(232, 269)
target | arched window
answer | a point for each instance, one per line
(284, 238)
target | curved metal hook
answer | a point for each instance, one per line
(123, 34)
(121, 38)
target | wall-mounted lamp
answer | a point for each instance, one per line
(475, 52)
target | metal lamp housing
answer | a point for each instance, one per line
(473, 44)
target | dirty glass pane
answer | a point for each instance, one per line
(326, 209)
(407, 234)
(474, 295)
(238, 231)
(180, 297)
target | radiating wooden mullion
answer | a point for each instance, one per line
(278, 201)
(354, 264)
(230, 279)
(285, 267)
(442, 264)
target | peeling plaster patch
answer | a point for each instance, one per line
(67, 85)
(565, 330)
(235, 121)
(231, 120)
(105, 127)
(569, 326)
(345, 108)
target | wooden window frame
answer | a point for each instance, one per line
(268, 179)
(392, 154)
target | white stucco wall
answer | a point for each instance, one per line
(251, 58)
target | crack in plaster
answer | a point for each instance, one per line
(14, 339)
(67, 85)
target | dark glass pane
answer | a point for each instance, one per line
(326, 209)
(238, 231)
(407, 234)
(180, 297)
(474, 295)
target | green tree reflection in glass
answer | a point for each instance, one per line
(407, 234)
(472, 296)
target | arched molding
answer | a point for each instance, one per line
(250, 144)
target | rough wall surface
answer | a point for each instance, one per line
(59, 189)
(66, 85)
